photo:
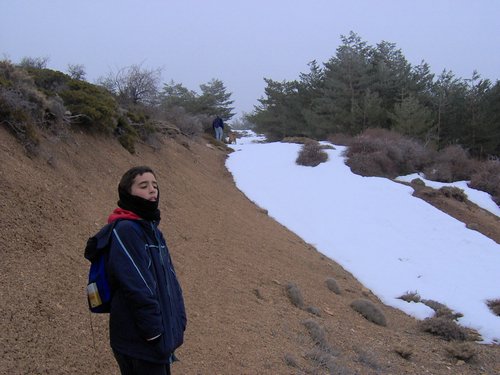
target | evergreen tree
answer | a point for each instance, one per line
(346, 81)
(412, 118)
(215, 100)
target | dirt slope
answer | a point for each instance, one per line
(233, 262)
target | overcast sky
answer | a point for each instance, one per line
(241, 42)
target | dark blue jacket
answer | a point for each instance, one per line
(147, 298)
(218, 123)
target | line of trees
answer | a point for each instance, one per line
(365, 86)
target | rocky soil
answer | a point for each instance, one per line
(234, 263)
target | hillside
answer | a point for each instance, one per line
(233, 262)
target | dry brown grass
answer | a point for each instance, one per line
(463, 351)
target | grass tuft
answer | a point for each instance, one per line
(371, 312)
(332, 285)
(463, 351)
(294, 295)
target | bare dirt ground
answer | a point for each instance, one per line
(232, 259)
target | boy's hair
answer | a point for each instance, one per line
(128, 178)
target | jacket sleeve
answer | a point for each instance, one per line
(129, 266)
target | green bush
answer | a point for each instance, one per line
(127, 136)
(92, 106)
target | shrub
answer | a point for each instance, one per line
(487, 178)
(410, 297)
(404, 352)
(371, 312)
(340, 139)
(299, 140)
(127, 136)
(313, 310)
(332, 285)
(450, 164)
(494, 306)
(441, 310)
(294, 295)
(463, 351)
(454, 192)
(443, 327)
(311, 155)
(380, 152)
(324, 360)
(318, 335)
(91, 106)
(290, 360)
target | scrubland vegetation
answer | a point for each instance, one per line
(127, 104)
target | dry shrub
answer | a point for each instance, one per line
(403, 351)
(311, 155)
(441, 310)
(294, 295)
(323, 360)
(443, 327)
(290, 360)
(487, 178)
(410, 297)
(450, 164)
(454, 192)
(318, 335)
(494, 305)
(332, 284)
(368, 359)
(340, 139)
(313, 310)
(371, 312)
(299, 140)
(463, 351)
(380, 152)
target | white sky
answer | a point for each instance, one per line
(241, 42)
(392, 242)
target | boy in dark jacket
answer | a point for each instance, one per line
(147, 317)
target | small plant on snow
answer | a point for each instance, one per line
(494, 305)
(410, 297)
(311, 155)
